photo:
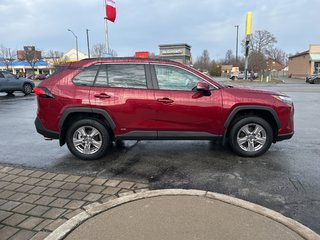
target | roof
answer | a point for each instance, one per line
(40, 63)
(300, 54)
(315, 57)
(90, 61)
(175, 45)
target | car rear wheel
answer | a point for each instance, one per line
(27, 89)
(251, 136)
(88, 139)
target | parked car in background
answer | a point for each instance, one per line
(313, 79)
(93, 102)
(10, 83)
(40, 77)
(237, 76)
(30, 76)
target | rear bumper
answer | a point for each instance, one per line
(284, 136)
(45, 132)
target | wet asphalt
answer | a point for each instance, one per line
(285, 179)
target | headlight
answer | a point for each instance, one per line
(284, 99)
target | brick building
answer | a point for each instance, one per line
(305, 63)
(273, 65)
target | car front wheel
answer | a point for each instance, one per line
(251, 136)
(88, 139)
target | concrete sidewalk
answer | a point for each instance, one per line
(180, 214)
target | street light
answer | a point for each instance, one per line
(76, 43)
(237, 26)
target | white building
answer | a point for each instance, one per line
(71, 55)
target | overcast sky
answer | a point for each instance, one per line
(142, 25)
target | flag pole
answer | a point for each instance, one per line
(106, 30)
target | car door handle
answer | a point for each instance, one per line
(102, 95)
(165, 100)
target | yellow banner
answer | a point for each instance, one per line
(248, 23)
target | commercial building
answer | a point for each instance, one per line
(41, 65)
(24, 67)
(28, 52)
(176, 52)
(305, 63)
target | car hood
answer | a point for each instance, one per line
(254, 90)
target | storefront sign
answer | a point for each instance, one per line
(171, 51)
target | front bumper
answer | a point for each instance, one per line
(45, 132)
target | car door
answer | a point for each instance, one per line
(124, 91)
(182, 111)
(11, 81)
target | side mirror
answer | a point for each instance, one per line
(202, 86)
(203, 89)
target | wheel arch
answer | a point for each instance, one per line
(266, 113)
(71, 115)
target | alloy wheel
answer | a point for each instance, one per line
(251, 137)
(87, 140)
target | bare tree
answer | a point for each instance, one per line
(257, 62)
(229, 58)
(31, 55)
(7, 56)
(262, 41)
(278, 55)
(99, 49)
(56, 56)
(203, 62)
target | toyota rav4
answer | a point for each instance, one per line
(93, 102)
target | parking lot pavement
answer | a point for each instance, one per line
(33, 203)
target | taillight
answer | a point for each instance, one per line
(43, 92)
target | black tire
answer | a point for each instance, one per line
(9, 92)
(94, 153)
(27, 89)
(254, 143)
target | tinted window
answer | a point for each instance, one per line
(9, 75)
(87, 76)
(1, 75)
(173, 78)
(122, 75)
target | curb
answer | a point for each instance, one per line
(96, 208)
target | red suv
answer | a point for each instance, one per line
(93, 102)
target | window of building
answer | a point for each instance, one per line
(122, 75)
(87, 76)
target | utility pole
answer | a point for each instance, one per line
(88, 44)
(237, 26)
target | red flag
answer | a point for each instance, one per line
(111, 10)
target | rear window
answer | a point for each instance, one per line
(86, 77)
(122, 75)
